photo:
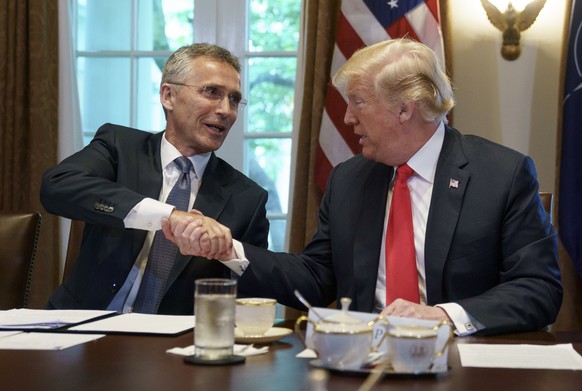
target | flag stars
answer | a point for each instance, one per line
(393, 3)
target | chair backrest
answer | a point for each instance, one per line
(547, 200)
(73, 246)
(19, 233)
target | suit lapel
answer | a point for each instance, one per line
(368, 237)
(149, 167)
(447, 197)
(149, 176)
(214, 191)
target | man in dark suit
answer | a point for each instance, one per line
(119, 183)
(485, 250)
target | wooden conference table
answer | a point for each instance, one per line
(130, 362)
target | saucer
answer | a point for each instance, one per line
(272, 335)
(364, 371)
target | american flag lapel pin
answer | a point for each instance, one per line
(453, 183)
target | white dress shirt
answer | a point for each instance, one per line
(148, 214)
(424, 164)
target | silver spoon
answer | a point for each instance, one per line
(306, 304)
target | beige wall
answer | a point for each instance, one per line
(515, 103)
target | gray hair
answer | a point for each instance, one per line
(178, 65)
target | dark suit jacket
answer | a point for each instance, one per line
(100, 185)
(489, 246)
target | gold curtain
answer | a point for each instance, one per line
(320, 20)
(320, 23)
(29, 122)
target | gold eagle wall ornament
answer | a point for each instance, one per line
(512, 23)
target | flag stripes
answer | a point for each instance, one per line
(362, 23)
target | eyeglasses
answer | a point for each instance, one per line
(216, 94)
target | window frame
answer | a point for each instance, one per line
(221, 24)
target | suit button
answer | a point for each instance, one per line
(114, 287)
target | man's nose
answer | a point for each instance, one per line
(223, 105)
(349, 117)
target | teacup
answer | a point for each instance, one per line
(341, 342)
(255, 316)
(412, 348)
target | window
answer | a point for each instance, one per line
(122, 45)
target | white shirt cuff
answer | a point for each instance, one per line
(240, 264)
(463, 322)
(147, 215)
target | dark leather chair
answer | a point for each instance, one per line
(73, 246)
(19, 234)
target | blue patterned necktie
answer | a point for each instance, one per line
(163, 252)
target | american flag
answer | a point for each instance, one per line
(362, 23)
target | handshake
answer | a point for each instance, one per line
(198, 235)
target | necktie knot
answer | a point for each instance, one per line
(404, 172)
(184, 165)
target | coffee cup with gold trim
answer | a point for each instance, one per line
(413, 348)
(255, 315)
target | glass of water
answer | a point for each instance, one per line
(214, 308)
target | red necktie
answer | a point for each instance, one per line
(401, 274)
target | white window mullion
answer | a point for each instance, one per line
(223, 22)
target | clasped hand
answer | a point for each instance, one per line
(198, 235)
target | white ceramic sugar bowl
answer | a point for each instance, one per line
(341, 341)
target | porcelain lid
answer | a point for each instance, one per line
(343, 322)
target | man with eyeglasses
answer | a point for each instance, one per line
(126, 181)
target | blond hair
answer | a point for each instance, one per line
(402, 70)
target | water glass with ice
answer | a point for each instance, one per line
(214, 308)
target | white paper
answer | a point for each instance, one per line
(307, 353)
(561, 356)
(24, 318)
(45, 341)
(140, 324)
(4, 334)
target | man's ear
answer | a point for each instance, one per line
(406, 110)
(166, 96)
